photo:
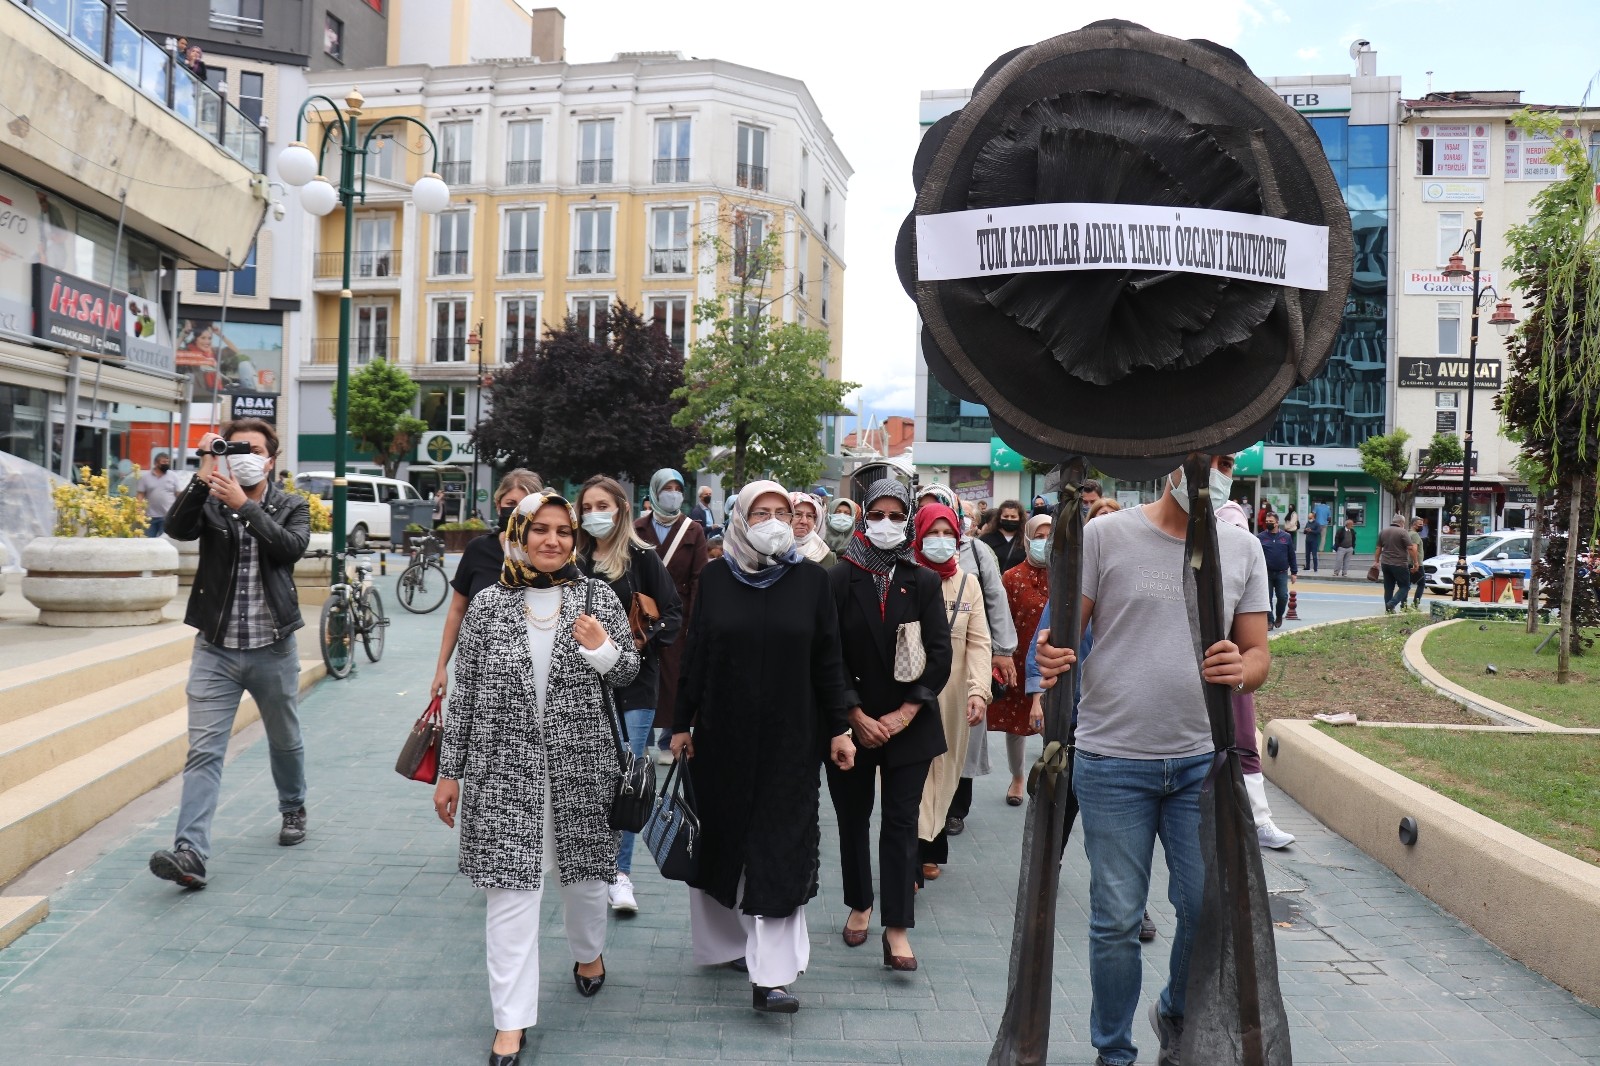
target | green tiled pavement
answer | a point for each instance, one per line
(365, 946)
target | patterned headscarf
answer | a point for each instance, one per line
(659, 481)
(874, 560)
(518, 571)
(748, 565)
(926, 517)
(811, 546)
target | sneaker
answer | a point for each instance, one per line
(180, 865)
(955, 826)
(621, 895)
(1169, 1032)
(1342, 718)
(294, 828)
(1147, 929)
(1270, 836)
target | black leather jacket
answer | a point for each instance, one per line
(281, 524)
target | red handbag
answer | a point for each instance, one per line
(419, 759)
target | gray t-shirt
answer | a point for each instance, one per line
(1142, 693)
(160, 490)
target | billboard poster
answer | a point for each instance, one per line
(239, 356)
(972, 482)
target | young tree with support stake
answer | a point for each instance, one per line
(381, 421)
(1385, 459)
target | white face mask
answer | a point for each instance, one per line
(599, 523)
(840, 522)
(938, 549)
(886, 534)
(669, 502)
(1039, 550)
(1219, 483)
(772, 537)
(247, 470)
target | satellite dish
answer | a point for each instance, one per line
(1359, 45)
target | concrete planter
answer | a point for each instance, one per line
(188, 559)
(99, 581)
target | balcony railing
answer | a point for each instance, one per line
(456, 172)
(594, 171)
(522, 261)
(363, 350)
(449, 349)
(752, 177)
(592, 261)
(669, 260)
(515, 348)
(107, 35)
(451, 264)
(236, 23)
(669, 170)
(364, 263)
(523, 171)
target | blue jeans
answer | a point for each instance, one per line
(218, 679)
(1396, 583)
(636, 730)
(1278, 580)
(1124, 804)
(155, 527)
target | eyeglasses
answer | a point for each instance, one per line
(763, 515)
(879, 516)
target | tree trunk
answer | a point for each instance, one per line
(1532, 596)
(1569, 576)
(741, 438)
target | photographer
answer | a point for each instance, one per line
(243, 603)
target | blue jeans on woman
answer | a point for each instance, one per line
(1124, 804)
(636, 731)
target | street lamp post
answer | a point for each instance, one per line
(475, 340)
(1502, 320)
(298, 167)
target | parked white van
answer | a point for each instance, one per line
(367, 498)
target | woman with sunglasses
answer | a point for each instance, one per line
(887, 603)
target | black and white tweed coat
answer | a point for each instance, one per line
(498, 744)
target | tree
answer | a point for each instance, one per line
(1385, 459)
(1552, 393)
(573, 407)
(755, 391)
(380, 414)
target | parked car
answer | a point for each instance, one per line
(367, 499)
(1510, 549)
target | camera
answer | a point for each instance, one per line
(229, 447)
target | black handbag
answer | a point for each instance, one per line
(673, 832)
(636, 789)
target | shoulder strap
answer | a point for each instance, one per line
(677, 538)
(618, 727)
(960, 592)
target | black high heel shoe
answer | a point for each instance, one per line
(508, 1060)
(588, 986)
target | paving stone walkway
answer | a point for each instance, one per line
(365, 946)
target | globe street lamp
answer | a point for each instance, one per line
(1502, 320)
(297, 166)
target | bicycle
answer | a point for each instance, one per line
(353, 611)
(422, 587)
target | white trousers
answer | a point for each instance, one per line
(511, 935)
(775, 949)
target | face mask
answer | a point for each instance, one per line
(1039, 550)
(1219, 483)
(505, 515)
(771, 537)
(1272, 527)
(1010, 525)
(886, 534)
(162, 467)
(840, 522)
(599, 523)
(966, 523)
(938, 549)
(247, 470)
(669, 502)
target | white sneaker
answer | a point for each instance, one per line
(1270, 836)
(1341, 718)
(621, 895)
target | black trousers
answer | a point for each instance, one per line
(936, 850)
(961, 802)
(853, 793)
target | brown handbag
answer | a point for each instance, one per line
(643, 617)
(419, 758)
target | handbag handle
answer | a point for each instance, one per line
(434, 708)
(681, 787)
(613, 716)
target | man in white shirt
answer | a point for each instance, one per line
(158, 488)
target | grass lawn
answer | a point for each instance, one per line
(1354, 666)
(1524, 681)
(1547, 787)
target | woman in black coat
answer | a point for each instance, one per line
(763, 687)
(878, 587)
(609, 548)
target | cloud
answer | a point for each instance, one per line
(1308, 53)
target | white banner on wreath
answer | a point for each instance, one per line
(1032, 238)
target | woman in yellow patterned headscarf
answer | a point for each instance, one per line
(521, 572)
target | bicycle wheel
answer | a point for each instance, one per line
(337, 635)
(422, 588)
(373, 624)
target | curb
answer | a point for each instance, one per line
(1538, 905)
(1419, 667)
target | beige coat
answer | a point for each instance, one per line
(970, 666)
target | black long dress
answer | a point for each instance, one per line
(763, 685)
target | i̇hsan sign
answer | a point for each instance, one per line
(77, 313)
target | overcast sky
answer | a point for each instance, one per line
(866, 62)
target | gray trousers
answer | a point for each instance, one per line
(1341, 565)
(218, 680)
